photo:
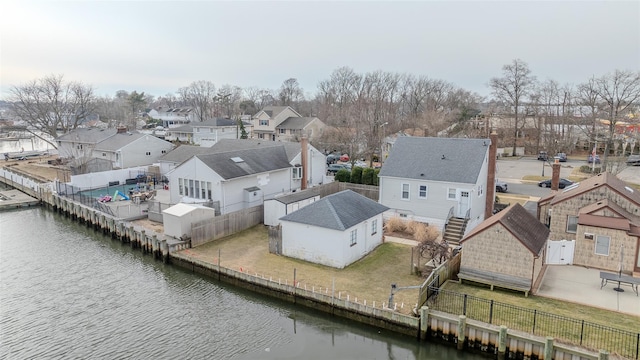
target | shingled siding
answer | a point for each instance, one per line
(572, 205)
(496, 250)
(585, 253)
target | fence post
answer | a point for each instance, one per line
(502, 343)
(464, 305)
(462, 329)
(548, 348)
(491, 312)
(603, 355)
(535, 315)
(424, 322)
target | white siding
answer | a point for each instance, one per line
(135, 153)
(196, 170)
(273, 210)
(271, 184)
(317, 168)
(435, 208)
(329, 247)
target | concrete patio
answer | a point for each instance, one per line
(582, 285)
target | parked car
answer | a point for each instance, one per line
(501, 186)
(332, 158)
(542, 155)
(334, 168)
(562, 157)
(590, 159)
(344, 157)
(633, 160)
(562, 184)
(360, 163)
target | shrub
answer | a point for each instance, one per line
(367, 176)
(425, 233)
(356, 175)
(343, 175)
(413, 226)
(375, 177)
(587, 169)
(395, 224)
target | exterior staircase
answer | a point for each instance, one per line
(454, 230)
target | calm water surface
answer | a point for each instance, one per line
(67, 292)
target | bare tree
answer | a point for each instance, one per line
(512, 87)
(620, 91)
(201, 96)
(50, 104)
(290, 93)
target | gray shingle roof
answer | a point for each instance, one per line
(422, 158)
(87, 136)
(186, 128)
(254, 161)
(118, 141)
(273, 111)
(295, 123)
(218, 122)
(184, 152)
(338, 211)
(292, 149)
(298, 195)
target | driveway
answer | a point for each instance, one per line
(581, 285)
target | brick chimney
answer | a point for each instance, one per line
(121, 129)
(491, 175)
(555, 175)
(303, 159)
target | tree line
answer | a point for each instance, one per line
(362, 108)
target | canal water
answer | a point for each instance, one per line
(67, 292)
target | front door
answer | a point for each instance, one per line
(463, 203)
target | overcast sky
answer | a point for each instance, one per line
(160, 46)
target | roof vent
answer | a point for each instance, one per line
(442, 156)
(237, 159)
(628, 189)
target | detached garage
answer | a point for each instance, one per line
(177, 219)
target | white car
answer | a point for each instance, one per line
(501, 186)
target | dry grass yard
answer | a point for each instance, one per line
(368, 279)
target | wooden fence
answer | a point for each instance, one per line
(224, 225)
(448, 270)
(370, 191)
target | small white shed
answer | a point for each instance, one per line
(177, 219)
(283, 205)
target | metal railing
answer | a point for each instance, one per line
(579, 332)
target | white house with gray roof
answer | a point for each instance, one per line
(209, 132)
(335, 231)
(125, 150)
(316, 164)
(433, 179)
(232, 180)
(122, 148)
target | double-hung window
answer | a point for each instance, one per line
(422, 191)
(405, 191)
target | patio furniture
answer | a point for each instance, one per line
(620, 279)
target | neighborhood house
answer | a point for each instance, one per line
(335, 231)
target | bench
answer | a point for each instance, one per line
(605, 277)
(495, 280)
